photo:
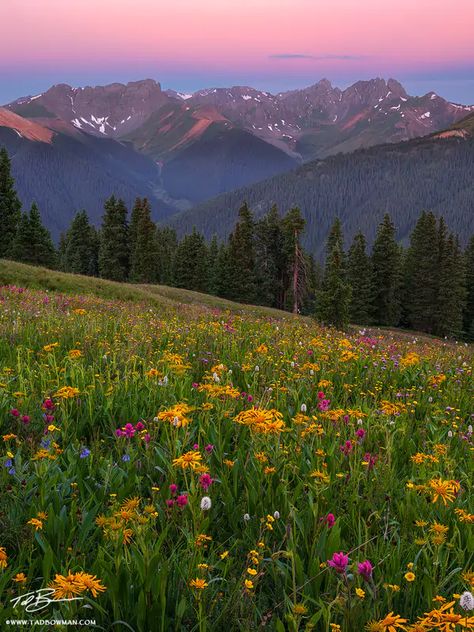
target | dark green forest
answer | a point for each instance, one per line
(360, 188)
(426, 285)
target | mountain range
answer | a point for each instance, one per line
(182, 149)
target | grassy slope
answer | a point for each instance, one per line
(13, 273)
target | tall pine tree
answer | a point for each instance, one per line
(421, 273)
(114, 254)
(80, 248)
(242, 282)
(144, 260)
(10, 206)
(333, 299)
(359, 275)
(192, 261)
(386, 275)
(468, 315)
(32, 242)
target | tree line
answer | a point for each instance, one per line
(428, 286)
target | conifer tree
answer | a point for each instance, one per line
(334, 297)
(293, 225)
(271, 263)
(242, 285)
(421, 274)
(166, 247)
(144, 261)
(468, 314)
(386, 275)
(10, 206)
(359, 275)
(79, 254)
(223, 271)
(452, 291)
(191, 270)
(213, 255)
(114, 255)
(32, 243)
(133, 225)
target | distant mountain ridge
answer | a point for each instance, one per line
(307, 123)
(182, 149)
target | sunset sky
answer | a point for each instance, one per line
(270, 44)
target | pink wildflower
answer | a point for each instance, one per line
(339, 562)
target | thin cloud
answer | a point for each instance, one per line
(314, 57)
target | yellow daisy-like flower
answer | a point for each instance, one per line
(37, 524)
(248, 584)
(251, 571)
(444, 490)
(20, 578)
(360, 593)
(191, 460)
(410, 577)
(198, 583)
(3, 557)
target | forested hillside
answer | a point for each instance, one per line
(359, 188)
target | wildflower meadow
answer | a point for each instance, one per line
(185, 467)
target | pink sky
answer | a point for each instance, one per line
(206, 39)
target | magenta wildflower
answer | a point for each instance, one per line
(365, 569)
(323, 405)
(15, 412)
(360, 433)
(139, 426)
(205, 481)
(173, 488)
(170, 502)
(339, 562)
(129, 430)
(182, 500)
(346, 448)
(330, 520)
(25, 419)
(209, 448)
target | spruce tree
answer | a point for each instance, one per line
(192, 260)
(242, 269)
(143, 262)
(213, 255)
(293, 225)
(223, 271)
(114, 255)
(334, 297)
(452, 291)
(421, 275)
(79, 255)
(386, 275)
(270, 258)
(32, 243)
(10, 206)
(468, 314)
(166, 247)
(359, 275)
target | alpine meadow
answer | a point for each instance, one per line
(236, 316)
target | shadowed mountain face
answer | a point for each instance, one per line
(66, 172)
(433, 173)
(88, 143)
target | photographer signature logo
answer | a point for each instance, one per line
(39, 600)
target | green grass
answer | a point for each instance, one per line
(13, 273)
